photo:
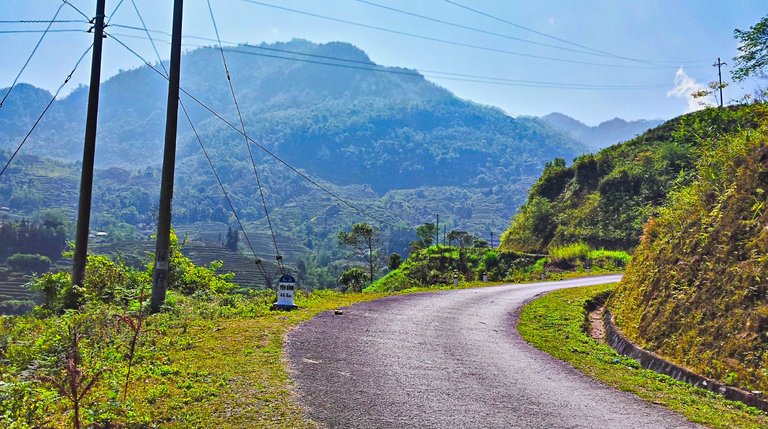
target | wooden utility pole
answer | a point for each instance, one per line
(719, 66)
(162, 248)
(74, 298)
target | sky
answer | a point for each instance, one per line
(593, 60)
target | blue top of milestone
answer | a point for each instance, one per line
(287, 278)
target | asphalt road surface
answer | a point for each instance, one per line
(451, 359)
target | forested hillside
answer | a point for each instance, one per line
(695, 291)
(605, 199)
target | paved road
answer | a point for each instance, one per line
(451, 360)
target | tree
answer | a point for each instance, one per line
(395, 260)
(753, 51)
(426, 234)
(353, 279)
(233, 238)
(364, 239)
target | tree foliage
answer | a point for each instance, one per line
(364, 239)
(753, 51)
(353, 280)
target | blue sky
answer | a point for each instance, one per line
(638, 51)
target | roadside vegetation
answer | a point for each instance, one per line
(437, 265)
(211, 358)
(604, 199)
(695, 291)
(557, 324)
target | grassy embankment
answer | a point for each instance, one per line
(556, 324)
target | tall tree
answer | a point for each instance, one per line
(365, 240)
(426, 234)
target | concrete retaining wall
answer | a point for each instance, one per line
(654, 362)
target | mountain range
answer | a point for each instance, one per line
(394, 147)
(602, 135)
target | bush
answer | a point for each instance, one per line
(26, 263)
(353, 280)
(569, 252)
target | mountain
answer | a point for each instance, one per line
(397, 147)
(605, 199)
(605, 134)
(695, 291)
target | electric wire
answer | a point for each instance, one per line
(114, 11)
(263, 148)
(43, 21)
(480, 30)
(242, 126)
(45, 110)
(31, 55)
(369, 66)
(205, 152)
(66, 2)
(559, 39)
(54, 30)
(452, 42)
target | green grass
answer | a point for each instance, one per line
(232, 369)
(555, 324)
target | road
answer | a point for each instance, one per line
(451, 359)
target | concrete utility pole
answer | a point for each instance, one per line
(719, 65)
(73, 298)
(437, 232)
(162, 248)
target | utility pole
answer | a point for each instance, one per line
(444, 228)
(437, 232)
(162, 248)
(719, 65)
(73, 298)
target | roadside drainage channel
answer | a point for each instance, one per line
(654, 362)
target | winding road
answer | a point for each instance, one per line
(451, 359)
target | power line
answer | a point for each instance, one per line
(205, 152)
(449, 42)
(66, 2)
(43, 21)
(34, 50)
(114, 11)
(480, 30)
(369, 66)
(242, 126)
(559, 39)
(45, 110)
(41, 31)
(259, 145)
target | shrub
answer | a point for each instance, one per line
(354, 279)
(27, 263)
(570, 252)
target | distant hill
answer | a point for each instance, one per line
(603, 135)
(605, 199)
(389, 130)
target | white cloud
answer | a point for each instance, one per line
(686, 87)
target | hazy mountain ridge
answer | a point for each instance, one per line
(602, 135)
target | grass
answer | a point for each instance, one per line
(555, 324)
(229, 373)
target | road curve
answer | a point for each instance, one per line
(451, 359)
